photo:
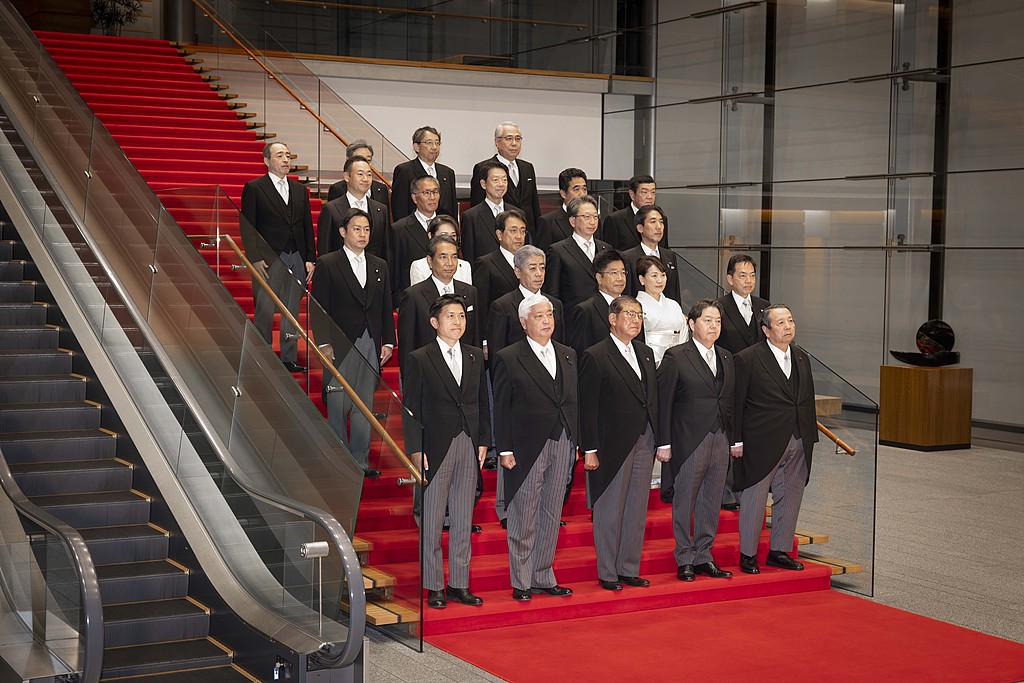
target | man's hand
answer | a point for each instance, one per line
(664, 453)
(485, 351)
(507, 461)
(261, 268)
(419, 459)
(481, 455)
(590, 461)
(309, 271)
(328, 351)
(385, 355)
(736, 450)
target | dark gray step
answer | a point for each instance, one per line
(72, 476)
(42, 388)
(109, 508)
(141, 581)
(34, 362)
(17, 337)
(160, 621)
(70, 444)
(12, 271)
(23, 291)
(132, 543)
(37, 417)
(139, 660)
(31, 313)
(220, 674)
(6, 250)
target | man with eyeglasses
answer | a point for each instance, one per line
(589, 320)
(522, 179)
(618, 434)
(409, 234)
(620, 228)
(426, 142)
(570, 268)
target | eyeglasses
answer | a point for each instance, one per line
(633, 315)
(430, 143)
(588, 216)
(430, 193)
(509, 139)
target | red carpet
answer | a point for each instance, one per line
(819, 636)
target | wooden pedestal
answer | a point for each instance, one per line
(926, 409)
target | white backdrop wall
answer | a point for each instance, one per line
(560, 129)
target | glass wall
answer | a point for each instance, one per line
(869, 156)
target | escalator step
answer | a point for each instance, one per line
(42, 388)
(33, 417)
(34, 361)
(108, 508)
(220, 674)
(72, 476)
(139, 660)
(11, 292)
(12, 271)
(22, 313)
(141, 581)
(18, 337)
(136, 623)
(130, 543)
(72, 444)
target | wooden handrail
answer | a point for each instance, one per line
(224, 26)
(429, 13)
(311, 345)
(838, 442)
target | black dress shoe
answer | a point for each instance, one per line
(521, 596)
(490, 463)
(292, 367)
(436, 600)
(610, 585)
(557, 591)
(475, 529)
(711, 569)
(748, 564)
(666, 496)
(370, 473)
(685, 573)
(561, 522)
(504, 524)
(463, 595)
(634, 581)
(731, 507)
(777, 558)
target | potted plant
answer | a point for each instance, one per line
(113, 15)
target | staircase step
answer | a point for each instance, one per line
(219, 674)
(834, 564)
(42, 388)
(22, 337)
(23, 291)
(186, 655)
(6, 250)
(106, 508)
(141, 581)
(35, 361)
(33, 417)
(23, 313)
(72, 444)
(136, 623)
(130, 543)
(72, 476)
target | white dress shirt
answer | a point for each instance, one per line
(513, 169)
(745, 310)
(431, 169)
(495, 208)
(588, 246)
(453, 357)
(281, 185)
(785, 358)
(358, 263)
(423, 219)
(357, 203)
(705, 352)
(629, 354)
(546, 356)
(441, 287)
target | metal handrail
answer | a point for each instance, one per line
(85, 570)
(311, 345)
(256, 55)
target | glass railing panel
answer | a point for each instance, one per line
(839, 500)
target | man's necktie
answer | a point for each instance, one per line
(590, 249)
(746, 311)
(786, 367)
(361, 270)
(549, 364)
(711, 362)
(513, 173)
(632, 361)
(431, 172)
(282, 189)
(453, 363)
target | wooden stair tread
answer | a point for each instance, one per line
(375, 578)
(837, 565)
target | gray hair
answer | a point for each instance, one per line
(524, 254)
(766, 318)
(504, 124)
(270, 145)
(529, 302)
(356, 145)
(573, 207)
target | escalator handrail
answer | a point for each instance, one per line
(85, 570)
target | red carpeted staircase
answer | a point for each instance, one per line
(180, 133)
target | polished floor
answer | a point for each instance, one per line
(949, 544)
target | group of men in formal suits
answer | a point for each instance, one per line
(552, 340)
